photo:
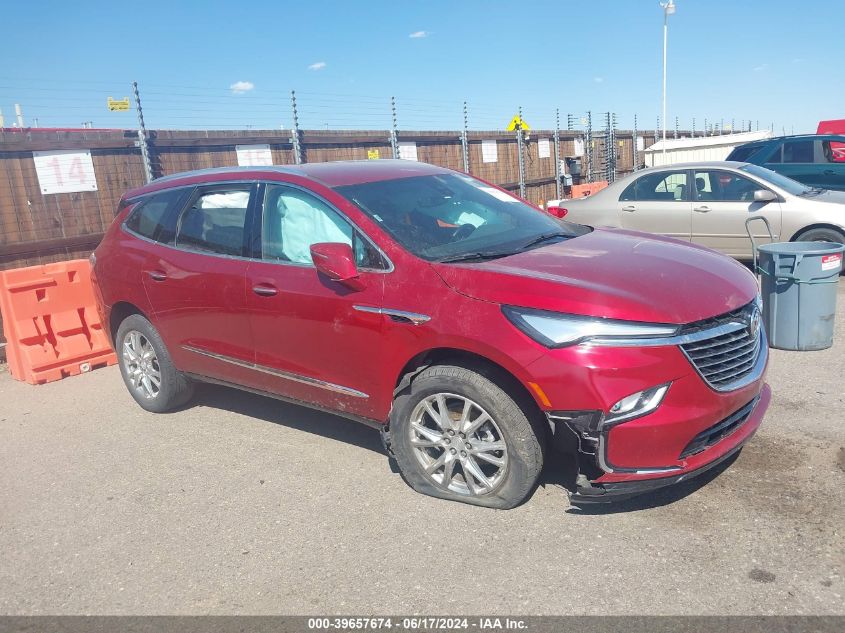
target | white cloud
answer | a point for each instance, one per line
(598, 80)
(317, 66)
(760, 68)
(418, 34)
(240, 87)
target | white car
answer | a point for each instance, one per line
(708, 203)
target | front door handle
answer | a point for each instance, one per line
(828, 172)
(264, 290)
(702, 209)
(630, 208)
(156, 275)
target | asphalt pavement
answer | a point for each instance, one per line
(241, 504)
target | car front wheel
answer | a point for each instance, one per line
(458, 435)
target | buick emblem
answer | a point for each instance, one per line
(754, 324)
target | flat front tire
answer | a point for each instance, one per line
(146, 367)
(458, 435)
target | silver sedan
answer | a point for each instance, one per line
(708, 203)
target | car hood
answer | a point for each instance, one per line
(828, 195)
(611, 273)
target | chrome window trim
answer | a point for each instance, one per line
(390, 267)
(306, 380)
(414, 317)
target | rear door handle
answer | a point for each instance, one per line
(264, 290)
(629, 208)
(828, 172)
(702, 209)
(156, 275)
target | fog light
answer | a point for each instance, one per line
(636, 405)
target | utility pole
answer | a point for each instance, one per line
(668, 9)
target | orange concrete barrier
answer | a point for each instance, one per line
(587, 189)
(50, 322)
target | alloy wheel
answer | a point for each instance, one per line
(458, 444)
(141, 364)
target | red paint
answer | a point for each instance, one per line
(310, 326)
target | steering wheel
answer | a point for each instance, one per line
(463, 232)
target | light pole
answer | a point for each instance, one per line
(668, 9)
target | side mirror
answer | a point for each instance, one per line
(335, 260)
(764, 195)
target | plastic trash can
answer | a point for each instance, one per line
(799, 282)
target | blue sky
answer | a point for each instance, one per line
(772, 61)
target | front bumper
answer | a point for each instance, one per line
(604, 490)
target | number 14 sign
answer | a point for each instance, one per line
(65, 171)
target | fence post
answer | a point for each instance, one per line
(142, 135)
(519, 146)
(295, 138)
(589, 143)
(394, 141)
(635, 152)
(558, 190)
(465, 141)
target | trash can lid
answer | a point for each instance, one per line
(802, 248)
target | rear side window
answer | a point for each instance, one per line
(743, 153)
(798, 152)
(154, 217)
(215, 221)
(662, 186)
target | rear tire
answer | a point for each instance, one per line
(146, 367)
(487, 450)
(821, 235)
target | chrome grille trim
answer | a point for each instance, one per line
(729, 358)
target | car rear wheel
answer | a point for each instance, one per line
(147, 369)
(458, 435)
(822, 235)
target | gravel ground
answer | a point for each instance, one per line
(244, 505)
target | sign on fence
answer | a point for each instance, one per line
(579, 147)
(408, 150)
(254, 155)
(543, 148)
(373, 154)
(489, 152)
(65, 171)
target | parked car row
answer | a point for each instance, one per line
(708, 204)
(472, 329)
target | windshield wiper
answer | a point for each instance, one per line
(466, 257)
(545, 237)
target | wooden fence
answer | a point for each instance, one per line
(37, 228)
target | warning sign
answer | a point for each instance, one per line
(373, 154)
(119, 105)
(831, 262)
(517, 123)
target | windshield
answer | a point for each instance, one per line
(779, 180)
(445, 216)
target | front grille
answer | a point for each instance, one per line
(730, 353)
(718, 432)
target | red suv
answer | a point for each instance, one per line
(472, 329)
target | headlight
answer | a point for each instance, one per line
(636, 405)
(554, 329)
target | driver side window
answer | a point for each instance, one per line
(293, 220)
